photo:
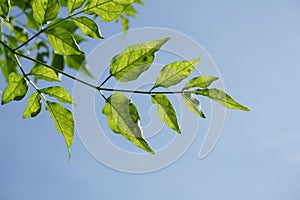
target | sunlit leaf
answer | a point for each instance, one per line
(166, 111)
(31, 22)
(221, 97)
(78, 63)
(63, 42)
(134, 60)
(16, 89)
(74, 4)
(60, 93)
(34, 106)
(125, 23)
(88, 27)
(175, 72)
(123, 118)
(193, 104)
(200, 81)
(45, 10)
(69, 25)
(42, 72)
(4, 9)
(130, 11)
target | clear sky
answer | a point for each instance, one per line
(256, 46)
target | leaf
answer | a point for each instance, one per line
(107, 10)
(68, 25)
(193, 104)
(222, 98)
(34, 106)
(42, 72)
(134, 60)
(57, 62)
(63, 121)
(45, 10)
(175, 72)
(63, 42)
(123, 118)
(130, 11)
(125, 23)
(166, 111)
(74, 4)
(31, 22)
(16, 89)
(4, 9)
(78, 63)
(60, 93)
(200, 81)
(88, 27)
(9, 64)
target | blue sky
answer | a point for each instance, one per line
(256, 46)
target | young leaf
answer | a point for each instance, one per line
(60, 93)
(222, 98)
(78, 63)
(175, 72)
(200, 81)
(134, 60)
(123, 118)
(74, 4)
(16, 89)
(88, 27)
(107, 10)
(45, 10)
(42, 72)
(193, 104)
(63, 42)
(34, 106)
(166, 111)
(63, 121)
(125, 23)
(4, 9)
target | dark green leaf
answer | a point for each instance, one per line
(34, 106)
(193, 104)
(42, 72)
(221, 97)
(78, 63)
(87, 26)
(4, 9)
(45, 10)
(63, 42)
(63, 121)
(200, 81)
(175, 72)
(60, 93)
(9, 64)
(166, 111)
(20, 34)
(123, 118)
(57, 61)
(16, 89)
(74, 4)
(134, 60)
(69, 25)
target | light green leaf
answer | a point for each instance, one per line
(125, 23)
(175, 72)
(4, 9)
(45, 10)
(193, 104)
(31, 22)
(107, 10)
(166, 111)
(69, 25)
(34, 105)
(42, 72)
(74, 4)
(200, 81)
(63, 42)
(130, 11)
(221, 97)
(60, 93)
(123, 118)
(78, 63)
(16, 89)
(88, 27)
(134, 60)
(63, 121)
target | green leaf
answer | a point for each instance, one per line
(88, 27)
(175, 72)
(9, 64)
(16, 89)
(200, 81)
(45, 10)
(4, 9)
(123, 118)
(134, 60)
(130, 11)
(125, 23)
(31, 22)
(57, 62)
(68, 25)
(74, 4)
(60, 93)
(34, 106)
(107, 10)
(221, 97)
(42, 72)
(166, 111)
(193, 104)
(78, 63)
(63, 121)
(63, 42)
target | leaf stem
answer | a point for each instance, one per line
(105, 81)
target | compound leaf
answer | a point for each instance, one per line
(200, 81)
(88, 27)
(193, 104)
(42, 72)
(34, 105)
(60, 93)
(45, 10)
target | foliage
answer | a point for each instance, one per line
(44, 28)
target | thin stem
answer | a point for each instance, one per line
(145, 92)
(105, 81)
